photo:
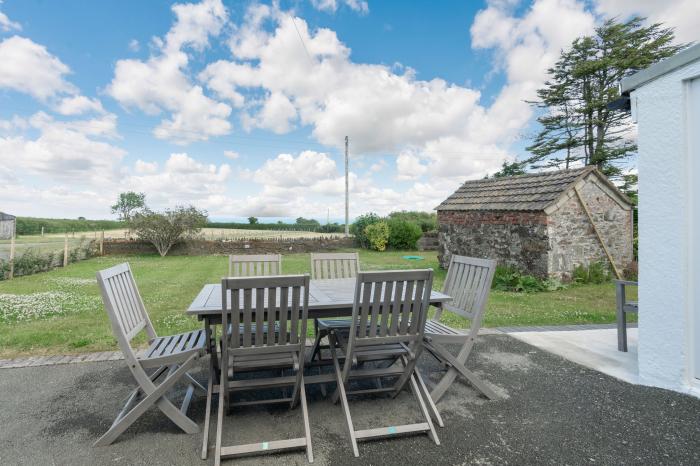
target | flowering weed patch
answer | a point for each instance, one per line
(27, 307)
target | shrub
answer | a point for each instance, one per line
(529, 284)
(596, 272)
(377, 235)
(425, 220)
(403, 234)
(165, 229)
(505, 278)
(358, 228)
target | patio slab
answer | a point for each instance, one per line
(552, 411)
(591, 347)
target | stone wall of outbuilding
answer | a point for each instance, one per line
(513, 238)
(572, 238)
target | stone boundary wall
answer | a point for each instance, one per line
(207, 247)
(512, 237)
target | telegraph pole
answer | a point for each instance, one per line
(347, 192)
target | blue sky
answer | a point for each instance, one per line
(241, 107)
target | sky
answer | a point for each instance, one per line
(242, 108)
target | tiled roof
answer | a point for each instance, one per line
(524, 192)
(4, 216)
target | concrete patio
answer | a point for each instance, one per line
(552, 411)
(593, 346)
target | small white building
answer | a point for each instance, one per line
(7, 225)
(665, 103)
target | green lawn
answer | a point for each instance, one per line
(71, 318)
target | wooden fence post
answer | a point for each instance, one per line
(12, 252)
(42, 232)
(102, 243)
(65, 250)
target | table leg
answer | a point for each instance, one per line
(210, 332)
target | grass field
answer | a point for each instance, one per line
(61, 311)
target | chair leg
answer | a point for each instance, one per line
(219, 427)
(154, 395)
(305, 413)
(428, 399)
(416, 393)
(207, 415)
(456, 367)
(340, 391)
(316, 349)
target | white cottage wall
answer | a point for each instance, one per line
(665, 331)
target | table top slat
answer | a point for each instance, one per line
(327, 298)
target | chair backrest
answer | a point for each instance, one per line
(280, 301)
(390, 307)
(124, 305)
(254, 265)
(334, 265)
(468, 281)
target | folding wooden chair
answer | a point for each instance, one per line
(281, 302)
(331, 266)
(388, 318)
(172, 356)
(254, 265)
(468, 281)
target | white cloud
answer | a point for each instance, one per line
(231, 154)
(682, 15)
(6, 25)
(287, 171)
(331, 6)
(377, 167)
(71, 151)
(29, 68)
(160, 83)
(379, 109)
(134, 45)
(77, 105)
(408, 166)
(277, 114)
(183, 180)
(144, 168)
(525, 47)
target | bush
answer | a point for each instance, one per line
(403, 234)
(358, 228)
(509, 278)
(596, 272)
(505, 278)
(165, 229)
(425, 220)
(34, 261)
(529, 284)
(377, 235)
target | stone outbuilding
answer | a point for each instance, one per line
(544, 224)
(7, 225)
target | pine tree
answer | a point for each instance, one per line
(577, 124)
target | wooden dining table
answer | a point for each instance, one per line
(327, 298)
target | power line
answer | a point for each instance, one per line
(302, 40)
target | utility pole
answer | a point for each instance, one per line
(347, 192)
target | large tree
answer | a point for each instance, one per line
(577, 124)
(127, 203)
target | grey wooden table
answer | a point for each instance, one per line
(327, 298)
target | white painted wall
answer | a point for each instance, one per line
(665, 328)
